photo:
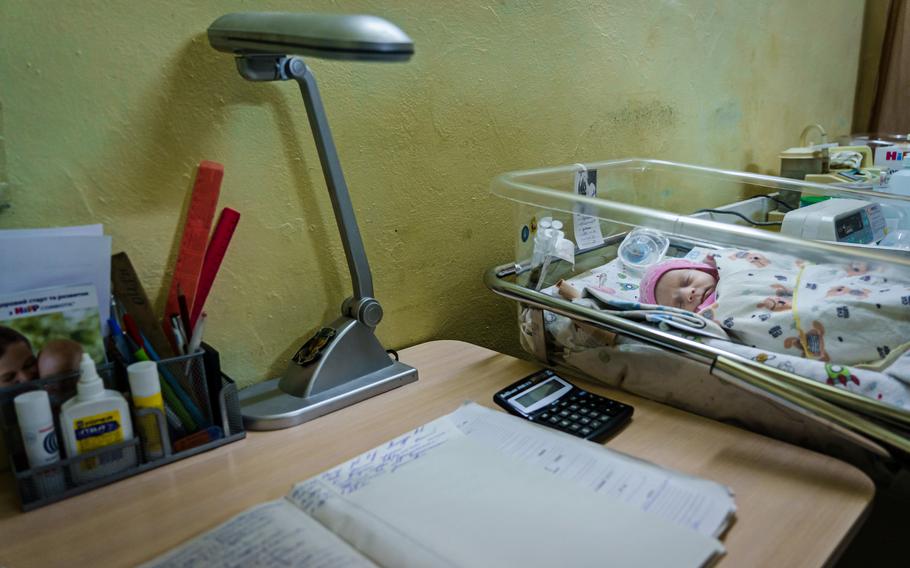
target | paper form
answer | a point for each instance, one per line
(465, 503)
(702, 505)
(68, 256)
(272, 534)
(587, 226)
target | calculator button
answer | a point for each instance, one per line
(583, 411)
(596, 424)
(563, 412)
(585, 420)
(563, 403)
(574, 427)
(580, 392)
(544, 415)
(553, 420)
(585, 431)
(573, 407)
(564, 423)
(574, 416)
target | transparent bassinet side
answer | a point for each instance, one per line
(672, 198)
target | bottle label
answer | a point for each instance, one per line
(97, 431)
(151, 401)
(148, 425)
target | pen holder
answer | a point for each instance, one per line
(201, 412)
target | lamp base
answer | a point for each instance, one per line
(264, 406)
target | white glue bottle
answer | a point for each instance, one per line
(95, 418)
(36, 423)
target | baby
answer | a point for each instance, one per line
(679, 283)
(59, 357)
(17, 362)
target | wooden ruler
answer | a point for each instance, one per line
(203, 202)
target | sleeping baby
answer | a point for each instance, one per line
(848, 314)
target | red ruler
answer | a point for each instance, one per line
(203, 202)
(214, 254)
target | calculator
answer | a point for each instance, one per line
(548, 399)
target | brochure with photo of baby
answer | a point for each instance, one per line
(44, 332)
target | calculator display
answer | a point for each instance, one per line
(542, 391)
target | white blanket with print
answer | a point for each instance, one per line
(845, 314)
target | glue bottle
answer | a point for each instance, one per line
(95, 418)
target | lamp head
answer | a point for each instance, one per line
(328, 36)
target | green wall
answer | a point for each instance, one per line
(108, 107)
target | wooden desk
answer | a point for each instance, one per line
(795, 506)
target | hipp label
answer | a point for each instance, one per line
(890, 157)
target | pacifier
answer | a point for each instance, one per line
(642, 248)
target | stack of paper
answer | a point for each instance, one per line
(63, 256)
(478, 488)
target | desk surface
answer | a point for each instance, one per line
(794, 506)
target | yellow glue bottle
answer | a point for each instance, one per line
(145, 387)
(95, 418)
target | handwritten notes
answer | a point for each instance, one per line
(272, 534)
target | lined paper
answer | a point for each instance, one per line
(272, 534)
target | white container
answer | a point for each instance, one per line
(145, 386)
(899, 182)
(36, 423)
(95, 418)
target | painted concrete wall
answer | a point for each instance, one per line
(108, 106)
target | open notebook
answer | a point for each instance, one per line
(478, 487)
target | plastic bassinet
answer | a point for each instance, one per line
(676, 368)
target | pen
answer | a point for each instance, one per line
(190, 415)
(179, 334)
(196, 340)
(119, 340)
(184, 313)
(183, 400)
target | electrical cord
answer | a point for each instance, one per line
(393, 353)
(778, 201)
(743, 217)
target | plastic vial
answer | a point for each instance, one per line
(36, 422)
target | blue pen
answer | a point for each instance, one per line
(178, 389)
(119, 340)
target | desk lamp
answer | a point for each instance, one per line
(343, 363)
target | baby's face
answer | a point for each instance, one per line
(17, 365)
(684, 288)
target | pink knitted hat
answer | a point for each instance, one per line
(653, 275)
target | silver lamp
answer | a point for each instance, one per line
(343, 363)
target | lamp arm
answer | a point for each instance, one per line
(362, 281)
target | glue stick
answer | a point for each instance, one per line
(145, 386)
